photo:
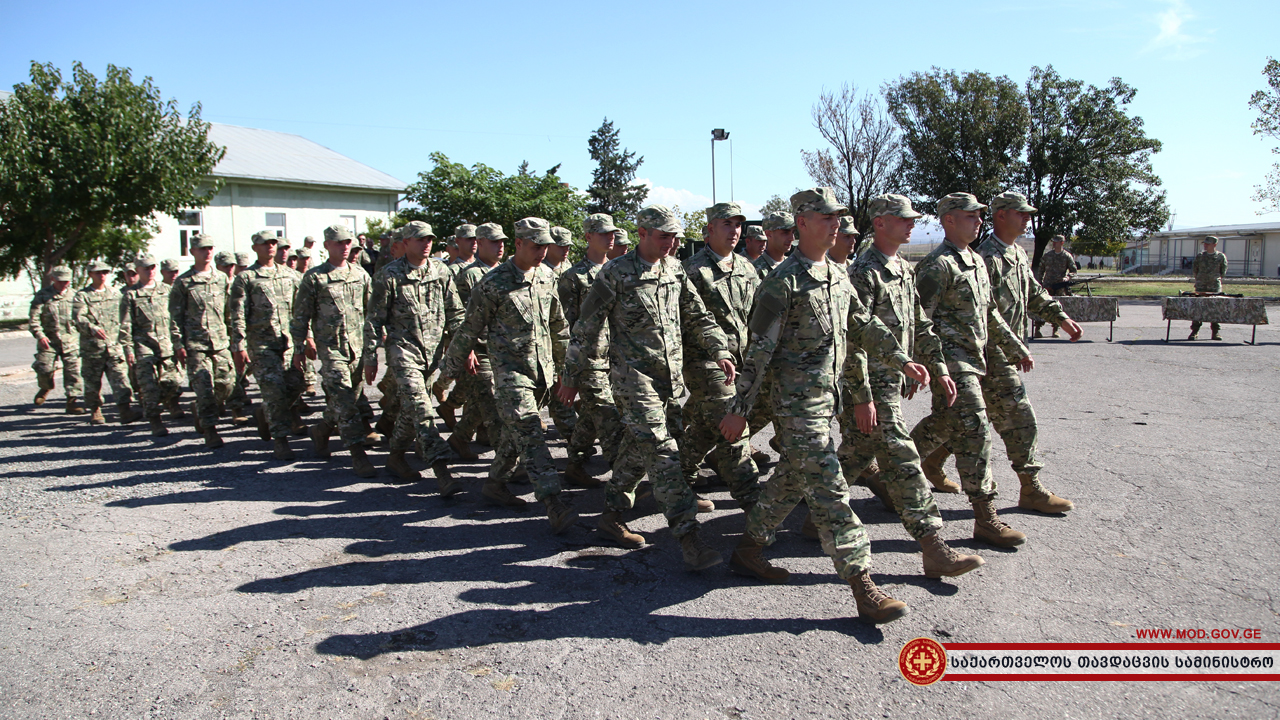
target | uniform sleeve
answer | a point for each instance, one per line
(33, 317)
(125, 336)
(178, 314)
(869, 335)
(304, 308)
(559, 326)
(932, 282)
(377, 315)
(454, 309)
(773, 304)
(1041, 303)
(928, 347)
(474, 325)
(1004, 338)
(857, 375)
(700, 324)
(569, 293)
(585, 334)
(79, 311)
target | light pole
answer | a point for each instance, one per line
(717, 134)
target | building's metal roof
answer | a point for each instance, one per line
(1248, 228)
(254, 154)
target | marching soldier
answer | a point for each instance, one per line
(198, 312)
(477, 388)
(148, 343)
(845, 251)
(562, 415)
(621, 244)
(96, 314)
(56, 339)
(753, 242)
(779, 230)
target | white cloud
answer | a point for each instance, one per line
(1173, 35)
(688, 200)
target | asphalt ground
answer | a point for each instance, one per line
(152, 578)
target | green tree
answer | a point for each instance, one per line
(1088, 165)
(450, 194)
(612, 183)
(1097, 247)
(1267, 104)
(775, 204)
(961, 133)
(85, 163)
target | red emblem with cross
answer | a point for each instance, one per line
(922, 661)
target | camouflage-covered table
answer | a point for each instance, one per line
(1084, 309)
(1222, 310)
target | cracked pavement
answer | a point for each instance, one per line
(152, 578)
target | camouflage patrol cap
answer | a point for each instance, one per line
(1063, 238)
(291, 253)
(563, 237)
(145, 260)
(535, 229)
(169, 265)
(416, 229)
(1210, 240)
(283, 242)
(598, 223)
(754, 232)
(309, 240)
(778, 220)
(660, 218)
(61, 272)
(99, 266)
(338, 233)
(1010, 200)
(465, 230)
(892, 204)
(848, 227)
(263, 236)
(620, 237)
(199, 240)
(224, 258)
(819, 199)
(959, 201)
(451, 242)
(490, 231)
(304, 253)
(244, 258)
(721, 211)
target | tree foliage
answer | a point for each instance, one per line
(1088, 164)
(85, 164)
(1267, 104)
(612, 183)
(864, 157)
(450, 194)
(775, 204)
(961, 133)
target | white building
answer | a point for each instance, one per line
(1252, 250)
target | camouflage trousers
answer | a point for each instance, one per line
(762, 413)
(810, 471)
(45, 363)
(345, 406)
(308, 373)
(390, 401)
(96, 363)
(708, 403)
(521, 440)
(238, 400)
(157, 383)
(891, 445)
(1012, 416)
(597, 418)
(213, 377)
(280, 386)
(962, 428)
(651, 425)
(562, 415)
(415, 424)
(479, 409)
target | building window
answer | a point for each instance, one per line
(275, 221)
(189, 223)
(349, 221)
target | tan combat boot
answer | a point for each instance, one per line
(809, 529)
(212, 440)
(446, 484)
(497, 493)
(576, 475)
(320, 433)
(697, 555)
(96, 417)
(987, 527)
(1035, 496)
(777, 446)
(40, 396)
(298, 426)
(881, 491)
(933, 472)
(282, 451)
(73, 407)
(238, 417)
(385, 425)
(747, 559)
(398, 464)
(127, 413)
(561, 516)
(260, 415)
(360, 462)
(611, 525)
(940, 559)
(704, 505)
(1038, 332)
(462, 447)
(175, 409)
(157, 427)
(760, 457)
(448, 413)
(873, 605)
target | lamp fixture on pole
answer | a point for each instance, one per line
(717, 134)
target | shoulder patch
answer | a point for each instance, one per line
(768, 315)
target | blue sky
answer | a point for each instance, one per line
(387, 83)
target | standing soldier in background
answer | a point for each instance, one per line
(753, 242)
(727, 283)
(464, 238)
(1017, 293)
(779, 230)
(562, 415)
(95, 311)
(597, 415)
(1057, 267)
(412, 308)
(198, 313)
(238, 402)
(806, 319)
(304, 261)
(845, 251)
(390, 401)
(516, 308)
(261, 310)
(331, 304)
(952, 282)
(647, 303)
(225, 262)
(1208, 269)
(148, 344)
(57, 338)
(169, 271)
(480, 413)
(243, 261)
(621, 244)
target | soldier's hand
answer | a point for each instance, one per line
(732, 427)
(370, 373)
(44, 343)
(567, 394)
(1027, 364)
(473, 365)
(311, 349)
(180, 354)
(128, 358)
(241, 359)
(916, 372)
(1073, 329)
(100, 333)
(950, 386)
(297, 361)
(730, 372)
(912, 387)
(865, 414)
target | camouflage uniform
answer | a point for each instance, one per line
(50, 319)
(331, 304)
(764, 265)
(146, 334)
(411, 310)
(261, 310)
(646, 308)
(519, 315)
(476, 390)
(1208, 269)
(94, 310)
(562, 415)
(197, 309)
(727, 287)
(1057, 267)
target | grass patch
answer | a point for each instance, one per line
(1170, 289)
